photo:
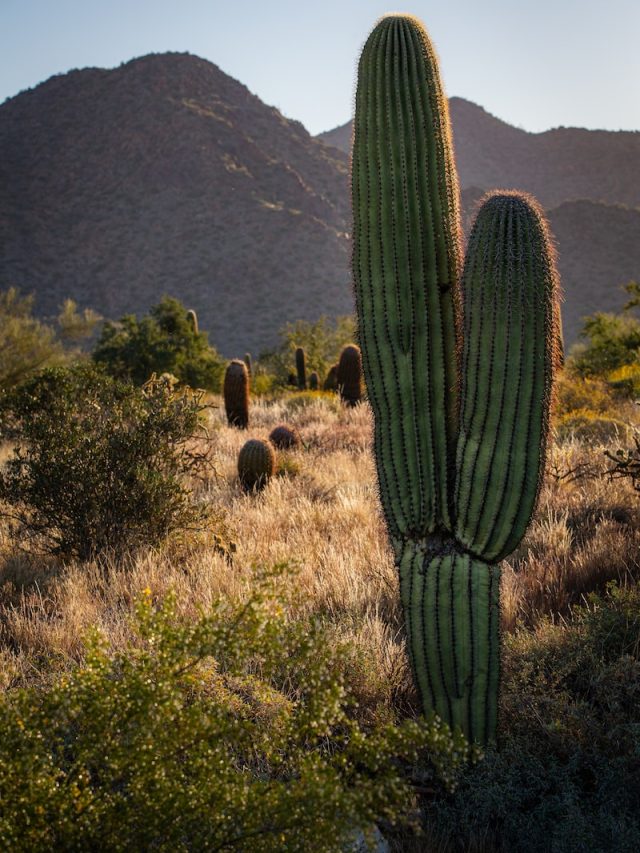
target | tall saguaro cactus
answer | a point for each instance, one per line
(460, 395)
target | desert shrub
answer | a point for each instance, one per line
(28, 344)
(590, 427)
(576, 392)
(611, 341)
(99, 464)
(626, 463)
(164, 341)
(227, 733)
(625, 382)
(567, 777)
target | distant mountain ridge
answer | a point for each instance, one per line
(166, 175)
(558, 165)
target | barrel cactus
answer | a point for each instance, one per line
(256, 464)
(349, 375)
(331, 380)
(236, 394)
(314, 381)
(301, 368)
(192, 318)
(458, 366)
(285, 437)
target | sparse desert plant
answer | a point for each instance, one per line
(626, 463)
(285, 437)
(99, 465)
(256, 464)
(177, 742)
(247, 361)
(573, 393)
(625, 382)
(349, 375)
(301, 369)
(461, 417)
(236, 394)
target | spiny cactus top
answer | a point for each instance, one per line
(256, 463)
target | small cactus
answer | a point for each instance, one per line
(236, 394)
(192, 317)
(331, 382)
(256, 464)
(285, 437)
(314, 381)
(301, 368)
(247, 361)
(349, 375)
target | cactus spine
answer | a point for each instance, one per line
(301, 368)
(236, 394)
(460, 419)
(192, 318)
(349, 375)
(256, 464)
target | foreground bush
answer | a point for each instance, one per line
(99, 464)
(567, 777)
(229, 733)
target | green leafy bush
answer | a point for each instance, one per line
(567, 776)
(28, 344)
(165, 341)
(610, 342)
(227, 733)
(99, 464)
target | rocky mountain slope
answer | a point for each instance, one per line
(166, 176)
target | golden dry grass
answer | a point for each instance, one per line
(322, 517)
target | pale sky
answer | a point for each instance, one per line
(534, 63)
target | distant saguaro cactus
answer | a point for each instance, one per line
(314, 381)
(301, 368)
(331, 380)
(349, 375)
(192, 317)
(256, 464)
(236, 394)
(285, 437)
(460, 396)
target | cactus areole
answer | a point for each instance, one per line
(458, 365)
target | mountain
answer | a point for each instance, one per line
(556, 166)
(165, 175)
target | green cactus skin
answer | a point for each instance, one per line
(285, 437)
(349, 375)
(256, 464)
(314, 381)
(331, 381)
(236, 394)
(247, 361)
(460, 404)
(301, 368)
(192, 317)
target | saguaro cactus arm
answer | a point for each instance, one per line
(405, 267)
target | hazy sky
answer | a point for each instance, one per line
(534, 63)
